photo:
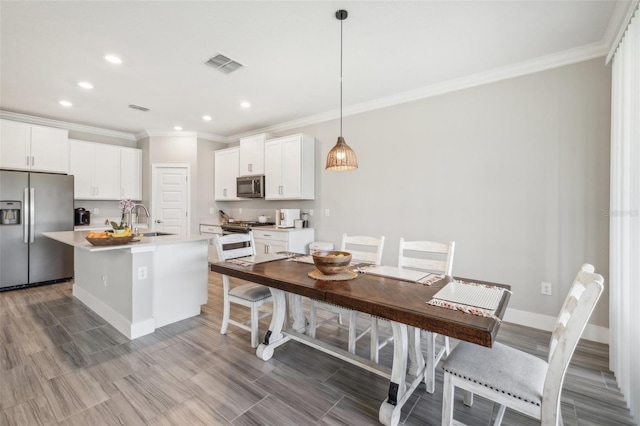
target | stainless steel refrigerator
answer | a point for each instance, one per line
(30, 204)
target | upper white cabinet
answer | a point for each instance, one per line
(252, 154)
(131, 173)
(96, 168)
(290, 168)
(36, 148)
(226, 172)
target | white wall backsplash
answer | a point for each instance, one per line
(108, 210)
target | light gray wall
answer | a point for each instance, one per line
(515, 172)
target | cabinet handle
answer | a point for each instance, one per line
(27, 160)
(224, 192)
(33, 161)
(250, 167)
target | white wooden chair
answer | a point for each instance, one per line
(250, 295)
(374, 256)
(516, 379)
(423, 259)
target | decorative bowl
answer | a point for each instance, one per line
(110, 241)
(331, 262)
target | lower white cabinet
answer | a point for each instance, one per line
(275, 240)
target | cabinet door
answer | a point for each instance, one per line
(131, 173)
(14, 145)
(226, 172)
(252, 155)
(291, 167)
(106, 171)
(49, 149)
(81, 167)
(270, 246)
(273, 170)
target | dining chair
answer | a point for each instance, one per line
(251, 295)
(363, 249)
(516, 379)
(428, 256)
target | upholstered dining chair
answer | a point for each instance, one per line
(428, 256)
(516, 379)
(363, 249)
(251, 295)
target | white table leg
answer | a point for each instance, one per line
(416, 359)
(274, 337)
(390, 409)
(296, 314)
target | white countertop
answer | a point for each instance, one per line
(78, 239)
(98, 227)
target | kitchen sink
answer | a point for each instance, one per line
(155, 234)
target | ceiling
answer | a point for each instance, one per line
(393, 51)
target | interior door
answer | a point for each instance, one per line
(171, 199)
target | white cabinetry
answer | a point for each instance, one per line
(96, 168)
(131, 173)
(273, 241)
(226, 173)
(290, 168)
(252, 154)
(37, 148)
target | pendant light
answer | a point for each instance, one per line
(341, 157)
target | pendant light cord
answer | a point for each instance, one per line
(341, 21)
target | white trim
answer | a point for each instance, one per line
(31, 119)
(120, 323)
(591, 332)
(618, 25)
(207, 136)
(543, 63)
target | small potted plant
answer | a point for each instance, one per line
(125, 206)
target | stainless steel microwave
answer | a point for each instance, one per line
(250, 186)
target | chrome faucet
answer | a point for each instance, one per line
(136, 207)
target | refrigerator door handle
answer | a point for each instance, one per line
(25, 215)
(32, 215)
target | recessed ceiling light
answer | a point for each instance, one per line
(206, 117)
(245, 104)
(177, 128)
(85, 85)
(66, 103)
(113, 59)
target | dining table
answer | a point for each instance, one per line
(403, 302)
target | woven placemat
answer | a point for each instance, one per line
(345, 275)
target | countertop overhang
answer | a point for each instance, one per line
(78, 239)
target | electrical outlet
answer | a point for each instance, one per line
(96, 210)
(211, 210)
(326, 212)
(142, 272)
(104, 279)
(310, 212)
(545, 288)
(239, 212)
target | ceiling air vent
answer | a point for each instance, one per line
(224, 64)
(139, 108)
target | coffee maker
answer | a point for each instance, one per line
(82, 216)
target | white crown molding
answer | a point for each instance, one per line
(617, 26)
(160, 133)
(543, 63)
(30, 119)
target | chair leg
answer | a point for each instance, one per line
(312, 321)
(499, 415)
(255, 314)
(446, 345)
(467, 398)
(374, 339)
(447, 400)
(226, 310)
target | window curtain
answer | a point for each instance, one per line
(624, 260)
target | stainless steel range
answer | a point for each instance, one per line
(242, 226)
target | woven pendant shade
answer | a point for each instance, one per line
(341, 158)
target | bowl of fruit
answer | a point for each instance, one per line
(106, 238)
(331, 262)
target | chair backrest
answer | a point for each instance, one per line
(572, 320)
(440, 266)
(375, 246)
(231, 246)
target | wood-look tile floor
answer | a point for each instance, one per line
(60, 364)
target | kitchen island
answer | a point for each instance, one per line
(140, 286)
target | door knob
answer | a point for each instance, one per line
(158, 221)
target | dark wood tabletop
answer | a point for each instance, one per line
(401, 301)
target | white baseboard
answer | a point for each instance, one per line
(592, 332)
(120, 323)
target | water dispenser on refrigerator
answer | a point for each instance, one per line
(10, 212)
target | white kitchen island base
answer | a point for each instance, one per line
(139, 287)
